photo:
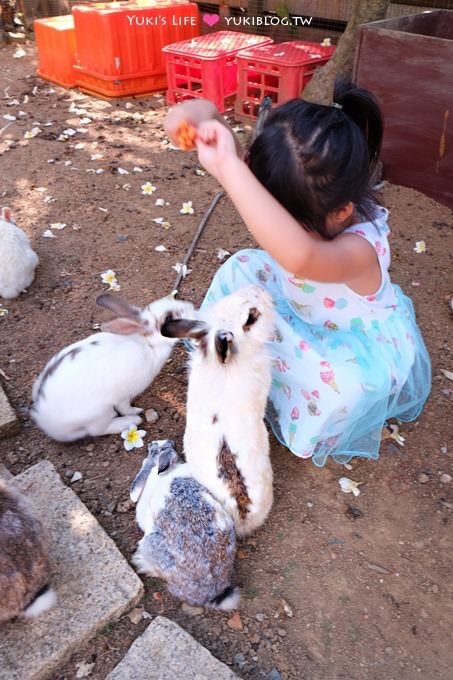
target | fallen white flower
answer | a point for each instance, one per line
(187, 208)
(34, 132)
(58, 226)
(148, 188)
(68, 163)
(420, 247)
(349, 486)
(181, 268)
(19, 53)
(48, 234)
(69, 132)
(9, 116)
(133, 438)
(96, 156)
(222, 254)
(160, 202)
(122, 171)
(447, 374)
(81, 145)
(160, 249)
(136, 168)
(103, 210)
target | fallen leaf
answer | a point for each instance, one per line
(84, 669)
(447, 374)
(235, 622)
(135, 615)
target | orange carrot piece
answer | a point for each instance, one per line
(185, 136)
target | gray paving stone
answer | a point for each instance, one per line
(94, 582)
(9, 424)
(166, 652)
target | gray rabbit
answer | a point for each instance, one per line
(24, 566)
(189, 539)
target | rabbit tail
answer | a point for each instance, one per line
(226, 600)
(43, 600)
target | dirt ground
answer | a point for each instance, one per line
(370, 595)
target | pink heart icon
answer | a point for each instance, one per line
(211, 19)
(329, 303)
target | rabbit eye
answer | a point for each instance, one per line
(252, 318)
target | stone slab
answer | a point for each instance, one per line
(9, 423)
(166, 652)
(94, 583)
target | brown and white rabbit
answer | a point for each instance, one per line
(226, 443)
(18, 260)
(24, 565)
(87, 388)
(189, 539)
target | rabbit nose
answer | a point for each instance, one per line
(224, 344)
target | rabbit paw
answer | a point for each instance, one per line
(121, 423)
(125, 409)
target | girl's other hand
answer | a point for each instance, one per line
(216, 147)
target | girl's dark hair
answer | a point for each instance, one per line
(314, 159)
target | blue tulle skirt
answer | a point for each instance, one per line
(333, 390)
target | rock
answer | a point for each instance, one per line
(239, 660)
(445, 479)
(76, 477)
(260, 617)
(434, 589)
(89, 447)
(274, 675)
(151, 416)
(281, 632)
(235, 622)
(69, 473)
(191, 610)
(166, 651)
(9, 423)
(124, 506)
(94, 583)
(423, 478)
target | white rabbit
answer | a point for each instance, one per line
(189, 539)
(226, 442)
(24, 566)
(18, 260)
(87, 388)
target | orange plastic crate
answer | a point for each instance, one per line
(56, 44)
(207, 66)
(280, 71)
(119, 45)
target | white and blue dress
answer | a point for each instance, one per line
(343, 363)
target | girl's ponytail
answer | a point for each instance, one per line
(362, 108)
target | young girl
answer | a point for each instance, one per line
(347, 354)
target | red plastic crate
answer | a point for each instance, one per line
(206, 67)
(280, 71)
(119, 44)
(56, 44)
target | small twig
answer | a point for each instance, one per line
(196, 237)
(7, 126)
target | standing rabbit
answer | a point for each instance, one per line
(24, 566)
(18, 260)
(87, 388)
(189, 539)
(226, 442)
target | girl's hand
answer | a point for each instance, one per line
(216, 148)
(194, 112)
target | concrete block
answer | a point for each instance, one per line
(9, 424)
(94, 582)
(165, 651)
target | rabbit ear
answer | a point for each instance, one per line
(118, 306)
(121, 326)
(6, 214)
(184, 328)
(140, 480)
